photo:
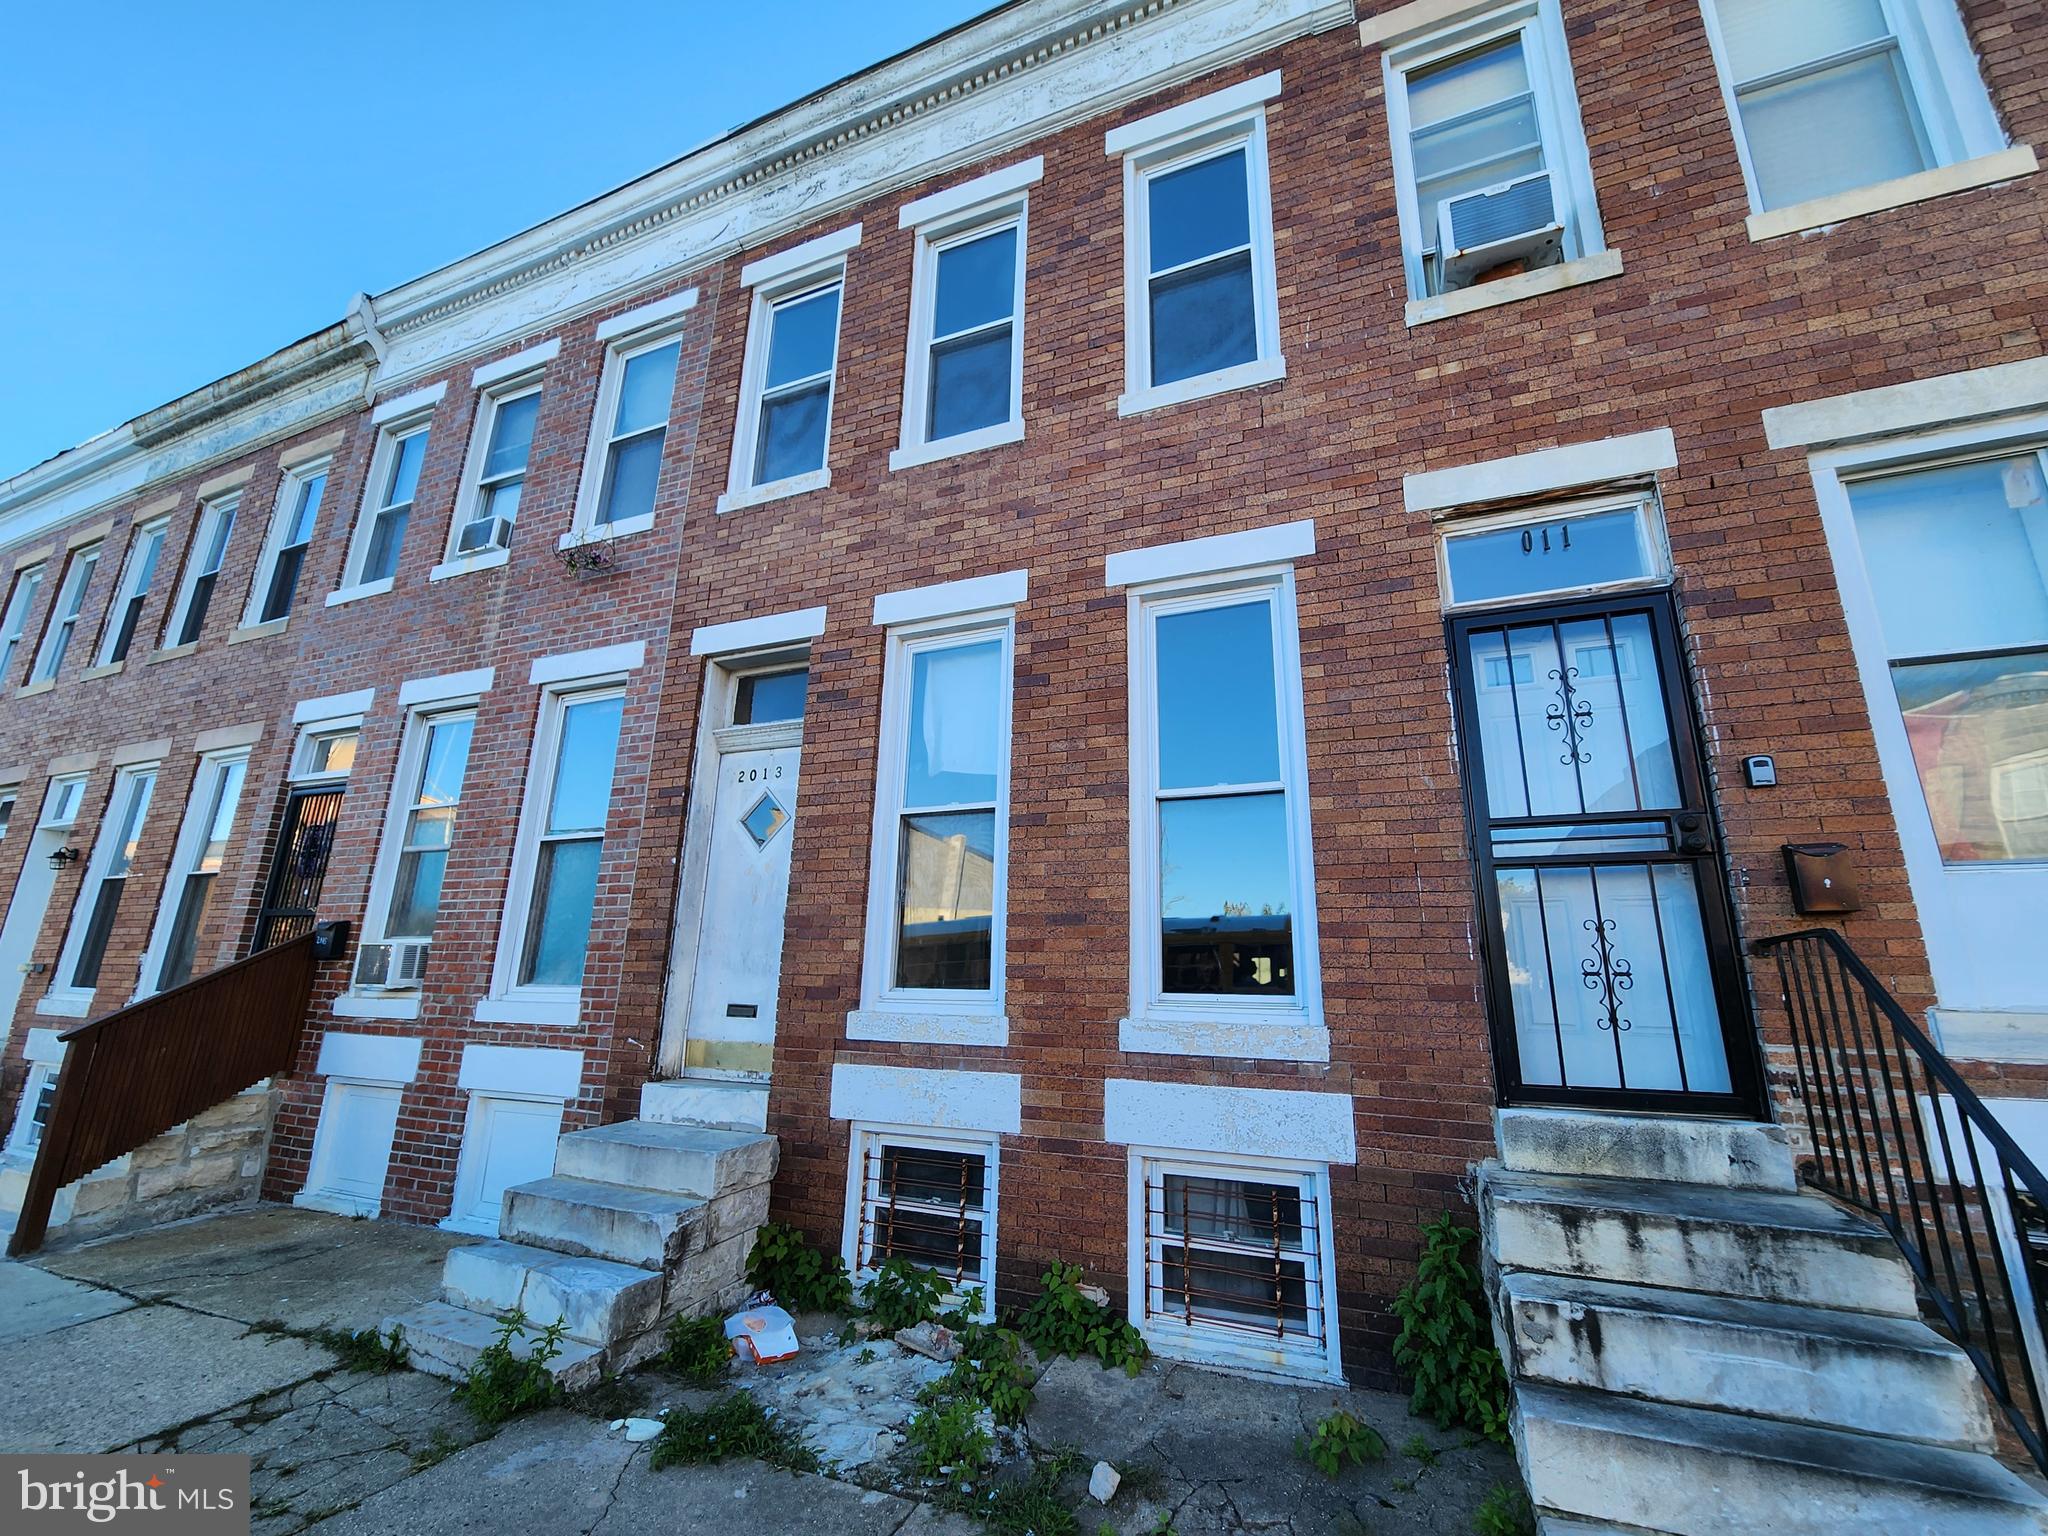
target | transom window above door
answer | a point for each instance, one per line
(1553, 552)
(1957, 557)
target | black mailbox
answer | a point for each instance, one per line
(330, 940)
(1823, 880)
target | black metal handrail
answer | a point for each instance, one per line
(1895, 1131)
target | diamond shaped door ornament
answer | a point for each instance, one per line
(764, 819)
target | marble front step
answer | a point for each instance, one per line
(1842, 1370)
(596, 1300)
(1731, 1154)
(646, 1228)
(1693, 1472)
(706, 1101)
(698, 1160)
(445, 1340)
(1688, 1237)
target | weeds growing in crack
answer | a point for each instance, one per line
(366, 1351)
(502, 1385)
(735, 1425)
(613, 1397)
(439, 1447)
(1338, 1439)
(697, 1350)
(1505, 1511)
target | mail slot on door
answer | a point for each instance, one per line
(1823, 880)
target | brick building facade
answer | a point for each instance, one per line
(1695, 352)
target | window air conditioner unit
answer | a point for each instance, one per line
(1482, 230)
(398, 965)
(484, 533)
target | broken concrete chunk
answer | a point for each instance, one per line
(1094, 1293)
(639, 1430)
(932, 1340)
(1103, 1482)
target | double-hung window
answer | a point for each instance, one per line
(1223, 950)
(14, 621)
(1491, 171)
(1832, 97)
(99, 895)
(195, 868)
(628, 431)
(927, 1199)
(64, 616)
(963, 386)
(499, 451)
(936, 892)
(145, 549)
(284, 554)
(389, 491)
(561, 842)
(1201, 307)
(405, 896)
(786, 383)
(210, 535)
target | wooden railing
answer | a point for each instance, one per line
(131, 1076)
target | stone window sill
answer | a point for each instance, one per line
(1246, 1039)
(1524, 285)
(1820, 212)
(261, 631)
(923, 1027)
(462, 565)
(604, 533)
(353, 1006)
(172, 652)
(914, 454)
(110, 669)
(795, 485)
(358, 592)
(30, 690)
(1266, 370)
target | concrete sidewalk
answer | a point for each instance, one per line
(197, 1338)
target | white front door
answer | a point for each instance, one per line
(1944, 580)
(738, 969)
(31, 900)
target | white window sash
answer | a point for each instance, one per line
(476, 486)
(292, 488)
(1141, 164)
(870, 1138)
(934, 240)
(605, 437)
(377, 487)
(520, 892)
(214, 526)
(106, 840)
(1150, 1003)
(67, 612)
(1540, 28)
(200, 809)
(879, 990)
(21, 597)
(407, 780)
(135, 586)
(746, 442)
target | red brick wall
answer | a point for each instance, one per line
(1702, 332)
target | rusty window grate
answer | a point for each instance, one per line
(931, 1203)
(1233, 1253)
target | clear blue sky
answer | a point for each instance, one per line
(186, 187)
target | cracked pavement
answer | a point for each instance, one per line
(145, 1343)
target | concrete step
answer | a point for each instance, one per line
(1843, 1370)
(1731, 1154)
(694, 1160)
(445, 1341)
(646, 1228)
(1697, 1473)
(711, 1101)
(598, 1301)
(1688, 1237)
(1565, 1525)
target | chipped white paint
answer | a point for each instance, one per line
(1248, 1122)
(934, 1098)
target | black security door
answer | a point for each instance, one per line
(299, 868)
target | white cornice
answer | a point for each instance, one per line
(1014, 75)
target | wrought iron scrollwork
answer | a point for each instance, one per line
(1607, 973)
(1572, 715)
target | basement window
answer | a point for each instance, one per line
(929, 1200)
(1236, 1263)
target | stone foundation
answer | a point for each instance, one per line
(213, 1160)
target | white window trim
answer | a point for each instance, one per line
(226, 505)
(131, 571)
(984, 206)
(297, 770)
(1165, 141)
(1954, 107)
(417, 402)
(62, 999)
(766, 631)
(20, 602)
(872, 1135)
(646, 317)
(510, 1001)
(192, 828)
(1209, 1344)
(1572, 466)
(492, 397)
(1242, 1027)
(289, 485)
(621, 350)
(933, 1015)
(776, 280)
(1926, 872)
(67, 611)
(44, 1053)
(412, 750)
(391, 431)
(1540, 24)
(1651, 541)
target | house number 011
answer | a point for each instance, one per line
(1535, 538)
(755, 775)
